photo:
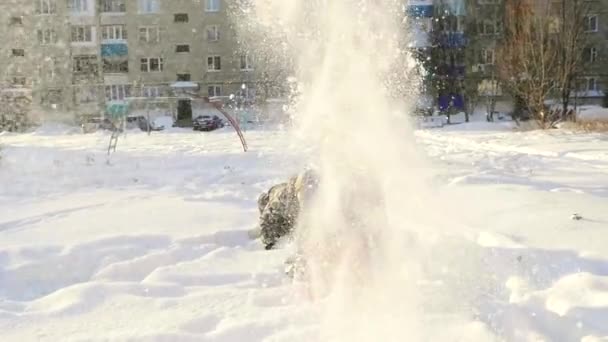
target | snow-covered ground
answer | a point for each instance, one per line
(152, 245)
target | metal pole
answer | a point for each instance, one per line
(148, 119)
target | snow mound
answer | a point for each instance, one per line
(154, 245)
(56, 129)
(593, 113)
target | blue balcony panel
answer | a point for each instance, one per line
(420, 11)
(114, 50)
(117, 110)
(451, 101)
(456, 7)
(451, 39)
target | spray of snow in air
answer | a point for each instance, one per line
(355, 91)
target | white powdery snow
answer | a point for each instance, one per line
(153, 245)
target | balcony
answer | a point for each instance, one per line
(420, 11)
(455, 101)
(113, 50)
(447, 70)
(451, 39)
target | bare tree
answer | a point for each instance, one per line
(489, 91)
(572, 43)
(529, 55)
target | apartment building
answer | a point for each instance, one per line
(440, 43)
(456, 41)
(75, 59)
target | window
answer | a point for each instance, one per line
(114, 32)
(18, 81)
(85, 64)
(246, 62)
(111, 66)
(213, 33)
(214, 90)
(149, 6)
(86, 94)
(150, 91)
(52, 97)
(490, 27)
(182, 48)
(118, 92)
(113, 6)
(16, 21)
(184, 78)
(51, 67)
(180, 17)
(46, 36)
(212, 5)
(18, 52)
(82, 34)
(459, 24)
(214, 63)
(591, 54)
(591, 84)
(591, 23)
(149, 34)
(78, 6)
(488, 56)
(153, 64)
(45, 6)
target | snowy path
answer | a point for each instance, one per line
(154, 246)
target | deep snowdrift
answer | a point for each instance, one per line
(153, 245)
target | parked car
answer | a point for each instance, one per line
(207, 123)
(142, 123)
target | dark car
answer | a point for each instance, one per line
(207, 123)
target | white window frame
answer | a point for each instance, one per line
(213, 5)
(214, 63)
(217, 90)
(45, 7)
(46, 36)
(113, 7)
(77, 7)
(494, 24)
(50, 97)
(593, 54)
(588, 21)
(488, 56)
(151, 91)
(146, 63)
(148, 33)
(117, 92)
(89, 58)
(50, 67)
(460, 24)
(591, 81)
(245, 62)
(86, 94)
(212, 32)
(18, 80)
(148, 6)
(85, 34)
(114, 32)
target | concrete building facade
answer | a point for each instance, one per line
(456, 42)
(79, 59)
